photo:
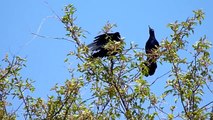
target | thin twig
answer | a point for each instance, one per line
(208, 87)
(105, 106)
(206, 105)
(160, 77)
(56, 38)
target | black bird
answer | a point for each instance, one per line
(97, 46)
(151, 45)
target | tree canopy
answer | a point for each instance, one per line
(116, 85)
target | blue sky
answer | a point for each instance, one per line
(45, 56)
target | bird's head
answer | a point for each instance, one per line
(117, 35)
(151, 31)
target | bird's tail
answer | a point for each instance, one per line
(151, 66)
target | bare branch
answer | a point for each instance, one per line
(56, 38)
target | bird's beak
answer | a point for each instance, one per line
(149, 27)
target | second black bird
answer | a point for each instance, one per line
(151, 45)
(98, 45)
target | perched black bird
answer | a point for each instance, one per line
(151, 45)
(100, 41)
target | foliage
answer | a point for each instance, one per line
(13, 86)
(115, 85)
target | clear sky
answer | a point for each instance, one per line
(45, 56)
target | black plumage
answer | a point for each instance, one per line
(98, 45)
(151, 45)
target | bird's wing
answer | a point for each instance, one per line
(98, 43)
(93, 46)
(151, 44)
(102, 40)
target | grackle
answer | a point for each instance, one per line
(151, 45)
(97, 46)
